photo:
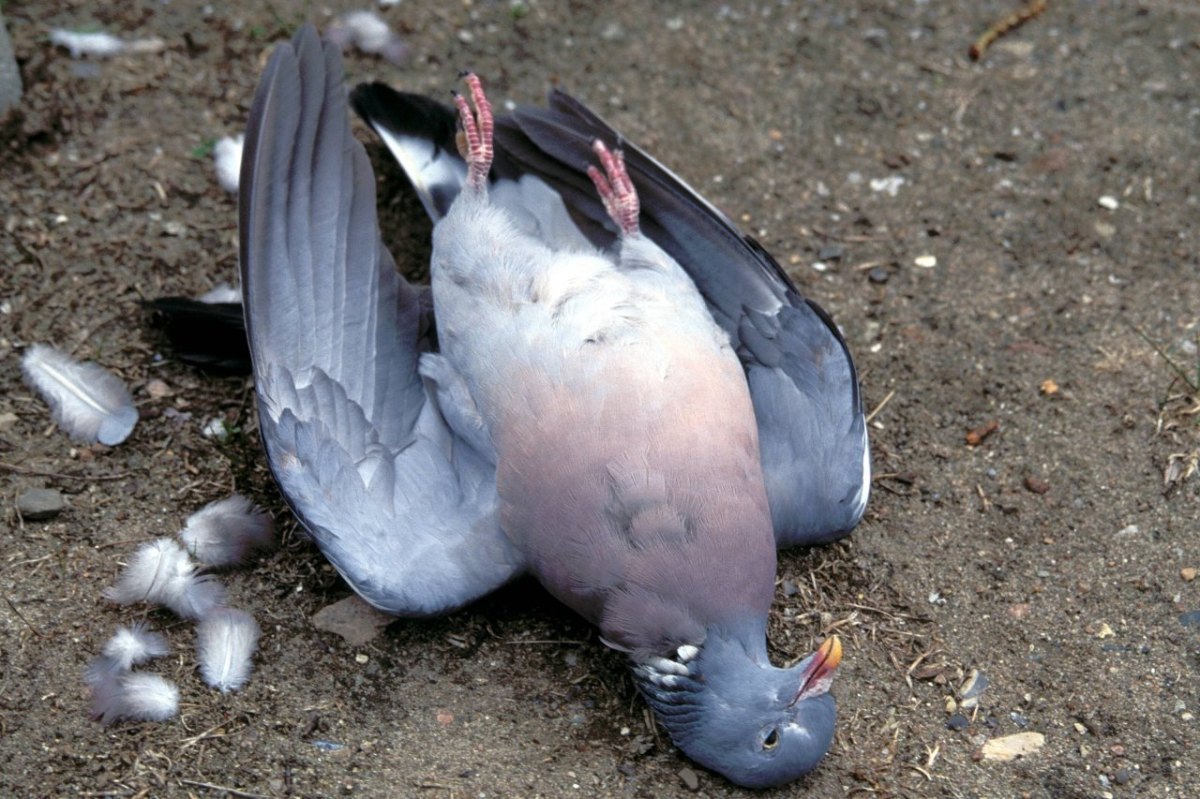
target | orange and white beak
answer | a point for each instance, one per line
(818, 675)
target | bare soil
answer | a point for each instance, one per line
(1052, 556)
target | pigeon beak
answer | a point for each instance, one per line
(818, 675)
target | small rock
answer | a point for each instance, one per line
(36, 504)
(1188, 574)
(878, 275)
(352, 619)
(1010, 747)
(1109, 202)
(1117, 749)
(1104, 631)
(925, 261)
(831, 252)
(889, 185)
(1036, 484)
(1019, 610)
(958, 722)
(1048, 387)
(7, 420)
(789, 588)
(1122, 776)
(1190, 619)
(157, 389)
(690, 779)
(1130, 529)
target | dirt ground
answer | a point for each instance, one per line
(1056, 184)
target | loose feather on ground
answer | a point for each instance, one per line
(225, 532)
(225, 642)
(86, 400)
(161, 573)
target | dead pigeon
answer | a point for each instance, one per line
(629, 399)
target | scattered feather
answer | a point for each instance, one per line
(134, 645)
(102, 45)
(225, 641)
(222, 292)
(161, 573)
(100, 671)
(227, 157)
(86, 400)
(225, 532)
(137, 696)
(369, 33)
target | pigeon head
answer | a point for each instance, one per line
(731, 711)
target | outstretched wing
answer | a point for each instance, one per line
(401, 508)
(802, 378)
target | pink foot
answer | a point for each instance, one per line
(475, 139)
(616, 189)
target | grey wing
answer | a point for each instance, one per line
(400, 506)
(802, 378)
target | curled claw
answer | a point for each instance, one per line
(615, 188)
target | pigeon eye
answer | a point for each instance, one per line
(772, 739)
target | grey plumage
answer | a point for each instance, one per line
(593, 414)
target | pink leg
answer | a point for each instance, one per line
(475, 140)
(615, 188)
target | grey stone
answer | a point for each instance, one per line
(36, 504)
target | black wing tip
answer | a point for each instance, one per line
(208, 336)
(386, 109)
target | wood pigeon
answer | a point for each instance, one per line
(610, 388)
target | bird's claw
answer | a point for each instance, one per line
(616, 189)
(475, 138)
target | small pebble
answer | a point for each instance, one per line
(1188, 574)
(1109, 202)
(1121, 777)
(157, 389)
(1036, 484)
(831, 252)
(958, 722)
(1190, 619)
(690, 779)
(879, 275)
(1048, 387)
(36, 504)
(926, 261)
